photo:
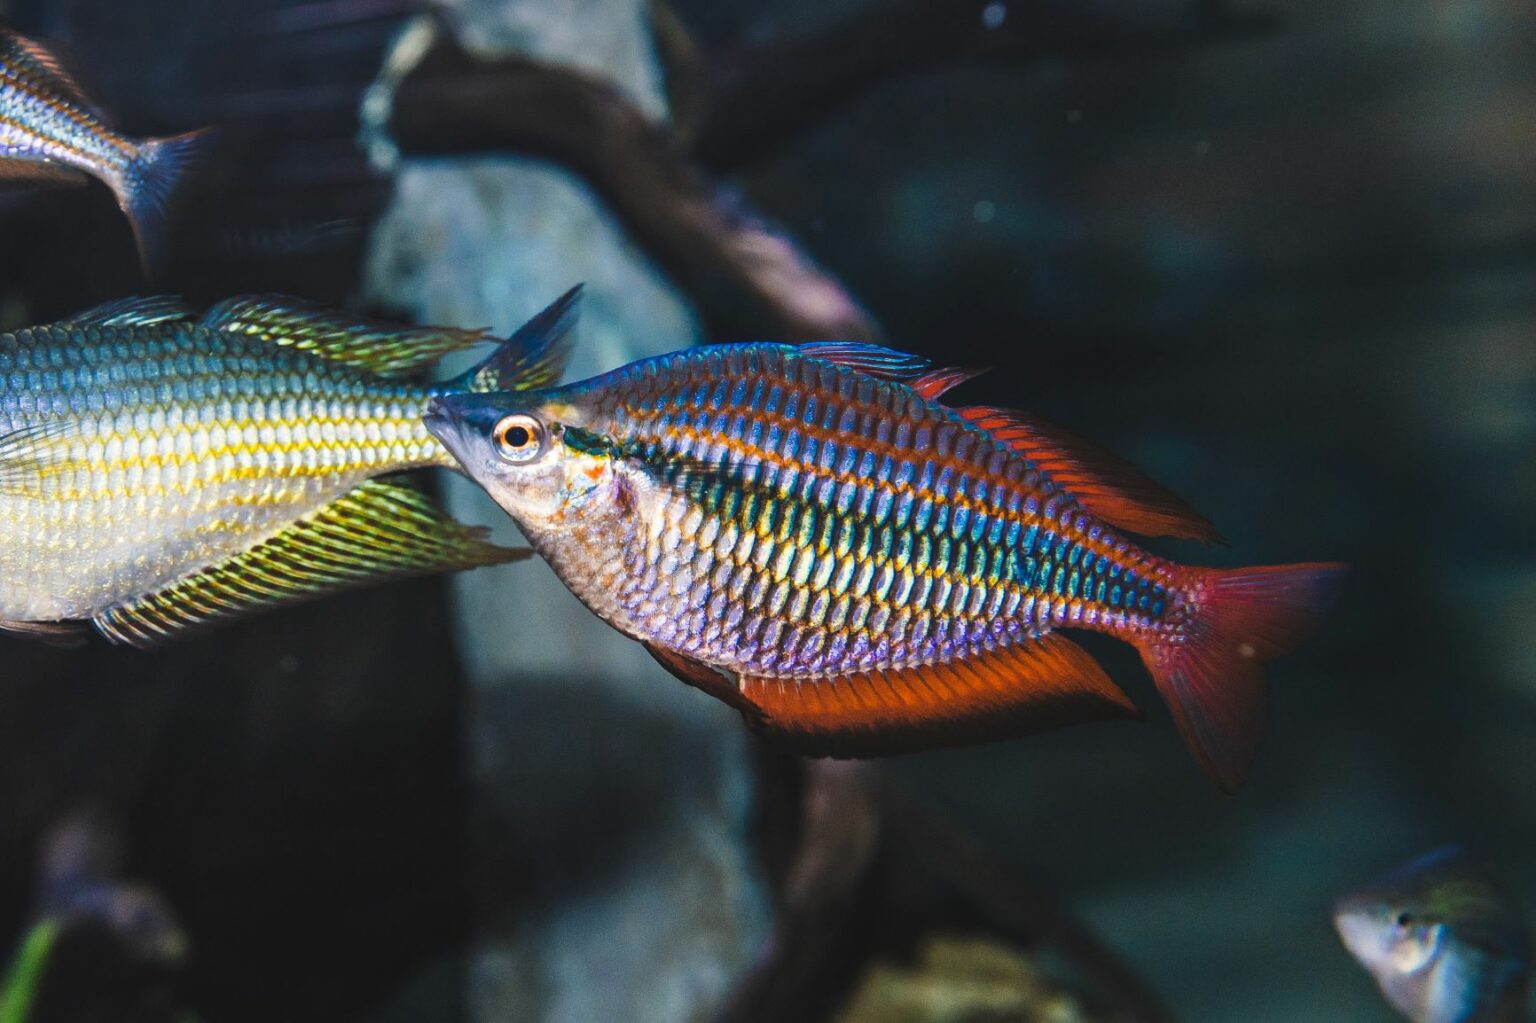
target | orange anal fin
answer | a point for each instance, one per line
(1030, 687)
(1109, 488)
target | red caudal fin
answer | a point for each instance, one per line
(1211, 673)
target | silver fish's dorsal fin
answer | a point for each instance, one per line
(132, 312)
(45, 65)
(390, 350)
(381, 530)
(26, 453)
(534, 356)
(1109, 488)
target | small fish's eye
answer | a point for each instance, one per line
(1405, 919)
(518, 438)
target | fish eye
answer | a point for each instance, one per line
(518, 438)
(1405, 919)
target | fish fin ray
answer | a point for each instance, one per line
(27, 452)
(387, 349)
(536, 354)
(146, 188)
(871, 360)
(132, 312)
(1212, 675)
(17, 172)
(1107, 486)
(714, 681)
(1029, 686)
(932, 385)
(59, 634)
(381, 530)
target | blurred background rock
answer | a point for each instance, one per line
(1279, 253)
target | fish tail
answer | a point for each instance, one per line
(1211, 671)
(146, 187)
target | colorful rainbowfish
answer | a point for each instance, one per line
(808, 534)
(160, 469)
(1443, 940)
(51, 132)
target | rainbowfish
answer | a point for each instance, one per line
(50, 131)
(1442, 939)
(160, 469)
(807, 533)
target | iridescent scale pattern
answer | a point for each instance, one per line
(813, 520)
(130, 456)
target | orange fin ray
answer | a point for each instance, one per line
(1108, 487)
(1010, 691)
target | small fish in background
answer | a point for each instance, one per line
(51, 132)
(807, 533)
(160, 469)
(1443, 940)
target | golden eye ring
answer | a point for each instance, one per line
(518, 438)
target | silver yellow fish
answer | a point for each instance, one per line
(51, 131)
(160, 469)
(1442, 939)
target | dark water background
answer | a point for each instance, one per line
(1290, 275)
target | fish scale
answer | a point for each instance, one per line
(160, 470)
(816, 444)
(808, 534)
(186, 442)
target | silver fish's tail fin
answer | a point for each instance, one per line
(1211, 671)
(146, 187)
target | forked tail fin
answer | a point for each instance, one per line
(1212, 672)
(147, 186)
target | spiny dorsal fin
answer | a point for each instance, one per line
(871, 360)
(132, 312)
(1030, 686)
(381, 530)
(1106, 486)
(387, 349)
(933, 385)
(42, 63)
(534, 356)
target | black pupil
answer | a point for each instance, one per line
(518, 437)
(1404, 919)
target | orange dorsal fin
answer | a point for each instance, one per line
(932, 385)
(1109, 488)
(1009, 691)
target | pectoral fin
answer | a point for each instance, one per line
(1009, 691)
(25, 455)
(379, 531)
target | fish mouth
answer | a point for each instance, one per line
(437, 420)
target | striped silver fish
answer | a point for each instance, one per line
(50, 131)
(160, 469)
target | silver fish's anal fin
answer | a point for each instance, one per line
(536, 354)
(1106, 486)
(27, 453)
(17, 172)
(132, 312)
(60, 634)
(388, 349)
(1009, 691)
(381, 530)
(46, 66)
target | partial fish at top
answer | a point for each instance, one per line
(161, 469)
(807, 533)
(50, 131)
(1443, 939)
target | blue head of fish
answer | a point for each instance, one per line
(1442, 939)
